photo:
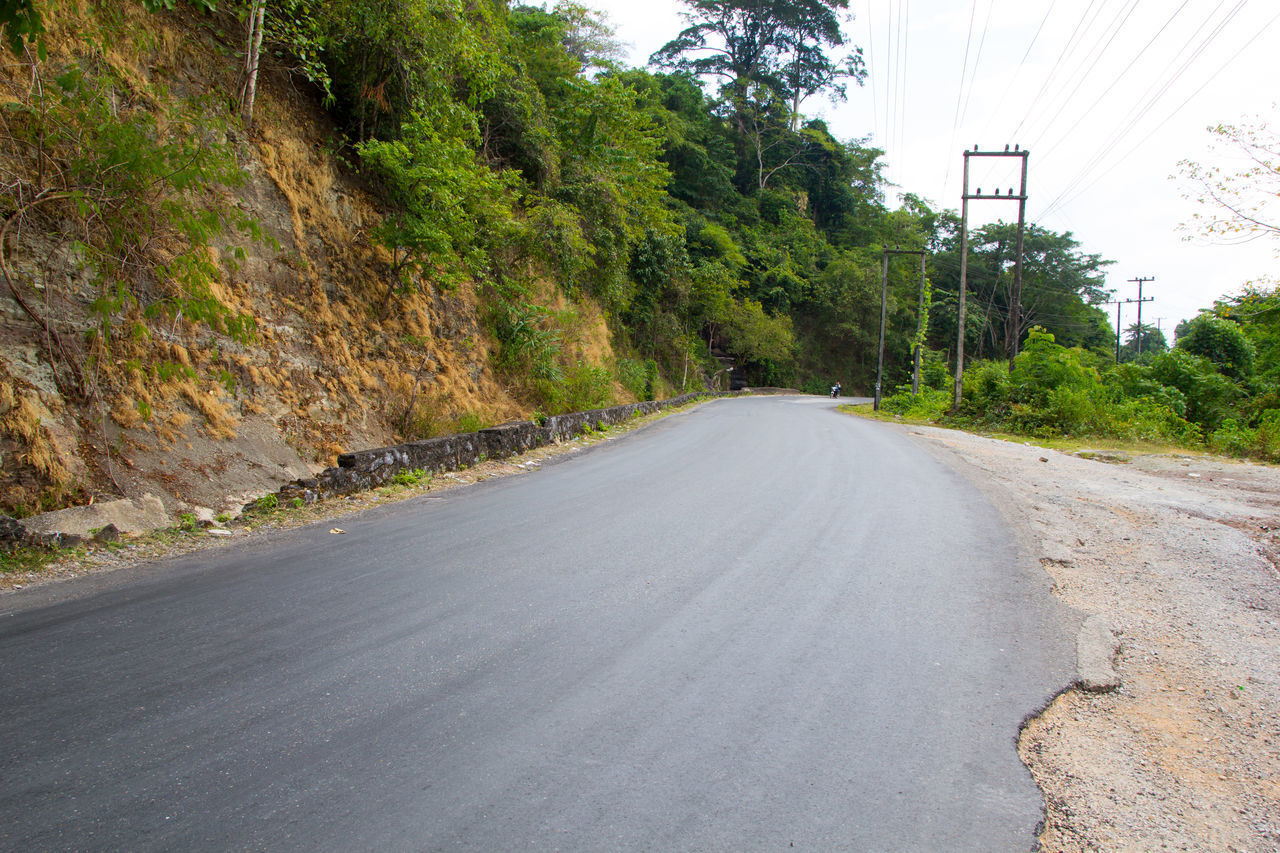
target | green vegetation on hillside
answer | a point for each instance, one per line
(696, 204)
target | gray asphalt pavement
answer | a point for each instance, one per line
(759, 625)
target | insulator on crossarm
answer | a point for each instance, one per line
(1006, 147)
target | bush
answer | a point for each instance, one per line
(816, 385)
(934, 371)
(987, 389)
(1222, 342)
(587, 386)
(1138, 382)
(1210, 396)
(1044, 366)
(1055, 391)
(470, 422)
(929, 404)
(638, 377)
(1261, 442)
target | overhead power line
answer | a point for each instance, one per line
(964, 67)
(1022, 63)
(902, 77)
(1087, 65)
(977, 60)
(1115, 81)
(1083, 181)
(873, 74)
(1055, 67)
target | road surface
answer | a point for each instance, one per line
(758, 625)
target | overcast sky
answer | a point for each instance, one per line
(1108, 96)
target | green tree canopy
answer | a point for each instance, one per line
(1221, 341)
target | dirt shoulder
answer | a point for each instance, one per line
(1179, 554)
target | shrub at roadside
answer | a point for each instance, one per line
(1052, 390)
(930, 404)
(1261, 442)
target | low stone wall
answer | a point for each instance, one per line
(368, 469)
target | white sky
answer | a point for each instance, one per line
(1111, 95)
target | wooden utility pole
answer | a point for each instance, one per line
(1015, 308)
(1014, 321)
(884, 294)
(884, 302)
(1118, 303)
(919, 342)
(1141, 280)
(964, 274)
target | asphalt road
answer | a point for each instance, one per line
(755, 625)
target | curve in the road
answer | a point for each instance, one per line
(758, 624)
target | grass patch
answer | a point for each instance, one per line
(25, 559)
(1063, 443)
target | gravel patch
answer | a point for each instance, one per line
(1176, 556)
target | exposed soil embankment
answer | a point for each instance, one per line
(168, 400)
(1179, 554)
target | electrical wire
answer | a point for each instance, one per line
(902, 78)
(1056, 65)
(1009, 86)
(1078, 185)
(891, 83)
(955, 123)
(872, 74)
(1089, 63)
(1125, 71)
(977, 60)
(1152, 96)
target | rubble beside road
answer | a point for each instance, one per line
(1177, 555)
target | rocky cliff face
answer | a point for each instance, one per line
(177, 406)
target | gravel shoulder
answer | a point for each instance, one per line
(1178, 556)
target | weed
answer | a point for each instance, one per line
(471, 422)
(26, 559)
(267, 503)
(228, 380)
(409, 477)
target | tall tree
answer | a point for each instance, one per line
(1061, 286)
(1142, 339)
(768, 57)
(253, 48)
(779, 44)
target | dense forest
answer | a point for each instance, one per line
(692, 203)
